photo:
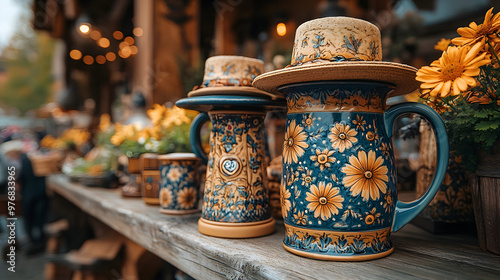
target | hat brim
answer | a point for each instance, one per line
(400, 76)
(232, 90)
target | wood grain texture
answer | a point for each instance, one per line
(418, 254)
(486, 199)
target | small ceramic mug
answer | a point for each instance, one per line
(179, 190)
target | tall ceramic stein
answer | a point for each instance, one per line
(236, 200)
(339, 196)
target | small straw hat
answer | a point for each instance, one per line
(339, 49)
(230, 75)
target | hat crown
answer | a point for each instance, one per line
(231, 70)
(335, 39)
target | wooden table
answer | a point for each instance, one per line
(417, 255)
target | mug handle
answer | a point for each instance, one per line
(195, 139)
(406, 211)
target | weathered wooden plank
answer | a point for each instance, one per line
(418, 254)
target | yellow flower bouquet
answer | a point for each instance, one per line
(463, 85)
(168, 132)
(74, 137)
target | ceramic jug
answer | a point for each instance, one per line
(235, 201)
(339, 196)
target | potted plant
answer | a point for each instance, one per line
(464, 86)
(168, 132)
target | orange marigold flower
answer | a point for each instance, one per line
(443, 44)
(480, 33)
(453, 72)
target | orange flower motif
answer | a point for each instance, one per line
(295, 143)
(285, 202)
(443, 44)
(187, 198)
(324, 200)
(301, 218)
(323, 158)
(165, 197)
(453, 72)
(480, 33)
(342, 137)
(366, 174)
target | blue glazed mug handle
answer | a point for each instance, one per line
(406, 211)
(195, 139)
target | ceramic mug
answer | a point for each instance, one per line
(179, 191)
(338, 194)
(150, 178)
(236, 200)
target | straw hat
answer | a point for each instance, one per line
(336, 49)
(230, 75)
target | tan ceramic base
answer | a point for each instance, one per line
(236, 230)
(339, 258)
(151, 201)
(179, 212)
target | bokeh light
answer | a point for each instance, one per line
(129, 40)
(89, 60)
(138, 32)
(118, 35)
(281, 29)
(95, 34)
(110, 56)
(84, 28)
(103, 42)
(75, 54)
(100, 59)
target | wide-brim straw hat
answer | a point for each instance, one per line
(339, 49)
(230, 75)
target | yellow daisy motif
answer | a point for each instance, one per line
(295, 143)
(165, 197)
(174, 174)
(300, 218)
(324, 200)
(342, 137)
(366, 174)
(285, 202)
(186, 198)
(323, 158)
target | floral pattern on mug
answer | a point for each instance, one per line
(324, 200)
(366, 174)
(342, 137)
(294, 144)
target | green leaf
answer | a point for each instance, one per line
(485, 125)
(483, 114)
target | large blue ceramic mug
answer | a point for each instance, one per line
(338, 194)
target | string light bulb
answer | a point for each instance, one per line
(75, 54)
(281, 29)
(84, 28)
(103, 42)
(138, 32)
(118, 35)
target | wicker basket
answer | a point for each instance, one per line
(46, 163)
